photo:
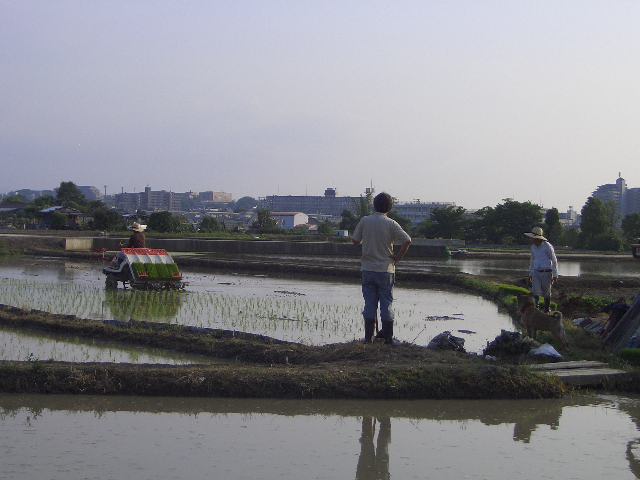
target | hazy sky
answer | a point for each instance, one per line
(466, 101)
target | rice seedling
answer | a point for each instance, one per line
(313, 318)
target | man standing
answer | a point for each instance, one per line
(543, 268)
(378, 233)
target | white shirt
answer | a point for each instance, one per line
(543, 257)
(378, 233)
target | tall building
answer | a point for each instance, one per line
(328, 204)
(90, 192)
(612, 192)
(218, 197)
(631, 201)
(159, 200)
(626, 200)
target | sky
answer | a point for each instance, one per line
(463, 101)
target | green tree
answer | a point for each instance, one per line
(209, 225)
(349, 221)
(326, 228)
(552, 225)
(595, 218)
(595, 221)
(245, 203)
(58, 221)
(164, 222)
(69, 195)
(13, 200)
(448, 222)
(264, 223)
(597, 227)
(631, 227)
(44, 202)
(107, 219)
(405, 223)
(508, 221)
(570, 237)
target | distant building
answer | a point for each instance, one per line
(217, 197)
(73, 219)
(417, 211)
(626, 200)
(612, 193)
(328, 204)
(570, 218)
(631, 202)
(154, 201)
(90, 192)
(30, 195)
(290, 220)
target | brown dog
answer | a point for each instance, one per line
(533, 319)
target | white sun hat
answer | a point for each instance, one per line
(536, 232)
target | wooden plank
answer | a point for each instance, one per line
(587, 377)
(568, 365)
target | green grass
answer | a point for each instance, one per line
(262, 367)
(631, 356)
(155, 271)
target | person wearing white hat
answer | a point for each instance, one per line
(137, 240)
(543, 267)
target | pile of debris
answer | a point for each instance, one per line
(510, 344)
(446, 341)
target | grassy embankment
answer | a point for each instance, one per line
(261, 367)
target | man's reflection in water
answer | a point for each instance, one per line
(373, 463)
(528, 421)
(633, 448)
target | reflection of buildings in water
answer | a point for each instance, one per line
(373, 462)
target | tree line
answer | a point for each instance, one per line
(505, 224)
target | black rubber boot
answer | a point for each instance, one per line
(547, 304)
(369, 326)
(387, 328)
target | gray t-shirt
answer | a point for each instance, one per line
(378, 233)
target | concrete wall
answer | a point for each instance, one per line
(263, 247)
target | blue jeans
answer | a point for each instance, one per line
(377, 287)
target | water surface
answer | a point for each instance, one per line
(308, 311)
(30, 346)
(61, 437)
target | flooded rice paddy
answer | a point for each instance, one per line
(481, 266)
(312, 312)
(30, 346)
(61, 437)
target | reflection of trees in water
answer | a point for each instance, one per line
(142, 305)
(373, 462)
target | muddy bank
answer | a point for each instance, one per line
(434, 381)
(264, 368)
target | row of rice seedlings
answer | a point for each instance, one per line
(284, 317)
